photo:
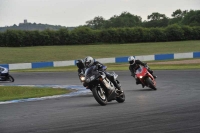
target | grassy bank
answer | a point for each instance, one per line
(61, 53)
(18, 92)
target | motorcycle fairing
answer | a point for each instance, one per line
(142, 72)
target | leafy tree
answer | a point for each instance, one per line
(156, 16)
(175, 20)
(177, 13)
(125, 19)
(96, 23)
(156, 23)
(192, 18)
(156, 20)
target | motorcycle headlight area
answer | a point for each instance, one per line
(82, 78)
(90, 78)
(141, 77)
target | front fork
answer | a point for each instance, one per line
(143, 80)
(101, 90)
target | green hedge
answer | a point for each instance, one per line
(84, 35)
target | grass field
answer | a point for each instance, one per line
(62, 53)
(18, 92)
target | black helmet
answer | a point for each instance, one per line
(80, 64)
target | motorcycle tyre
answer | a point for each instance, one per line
(10, 78)
(150, 83)
(101, 101)
(121, 98)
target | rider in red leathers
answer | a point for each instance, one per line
(134, 65)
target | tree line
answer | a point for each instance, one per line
(126, 19)
(125, 28)
(85, 35)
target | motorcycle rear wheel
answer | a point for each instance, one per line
(150, 83)
(10, 78)
(99, 96)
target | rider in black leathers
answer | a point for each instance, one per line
(134, 65)
(89, 61)
(80, 65)
(81, 68)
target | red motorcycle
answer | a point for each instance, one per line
(145, 77)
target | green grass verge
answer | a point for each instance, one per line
(122, 67)
(18, 92)
(72, 52)
(175, 66)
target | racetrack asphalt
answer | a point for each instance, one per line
(173, 108)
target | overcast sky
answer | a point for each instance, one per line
(77, 12)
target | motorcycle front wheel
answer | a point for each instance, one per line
(99, 96)
(150, 83)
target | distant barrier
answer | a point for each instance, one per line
(102, 60)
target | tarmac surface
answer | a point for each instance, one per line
(173, 108)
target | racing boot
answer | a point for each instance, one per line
(132, 74)
(139, 82)
(116, 84)
(143, 86)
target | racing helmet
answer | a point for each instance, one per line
(131, 60)
(80, 64)
(88, 61)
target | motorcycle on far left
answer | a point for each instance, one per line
(5, 76)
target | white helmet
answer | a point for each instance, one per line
(131, 60)
(88, 61)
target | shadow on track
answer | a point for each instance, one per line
(147, 89)
(108, 104)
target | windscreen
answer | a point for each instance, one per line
(91, 71)
(139, 70)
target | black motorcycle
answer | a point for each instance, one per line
(102, 88)
(5, 76)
